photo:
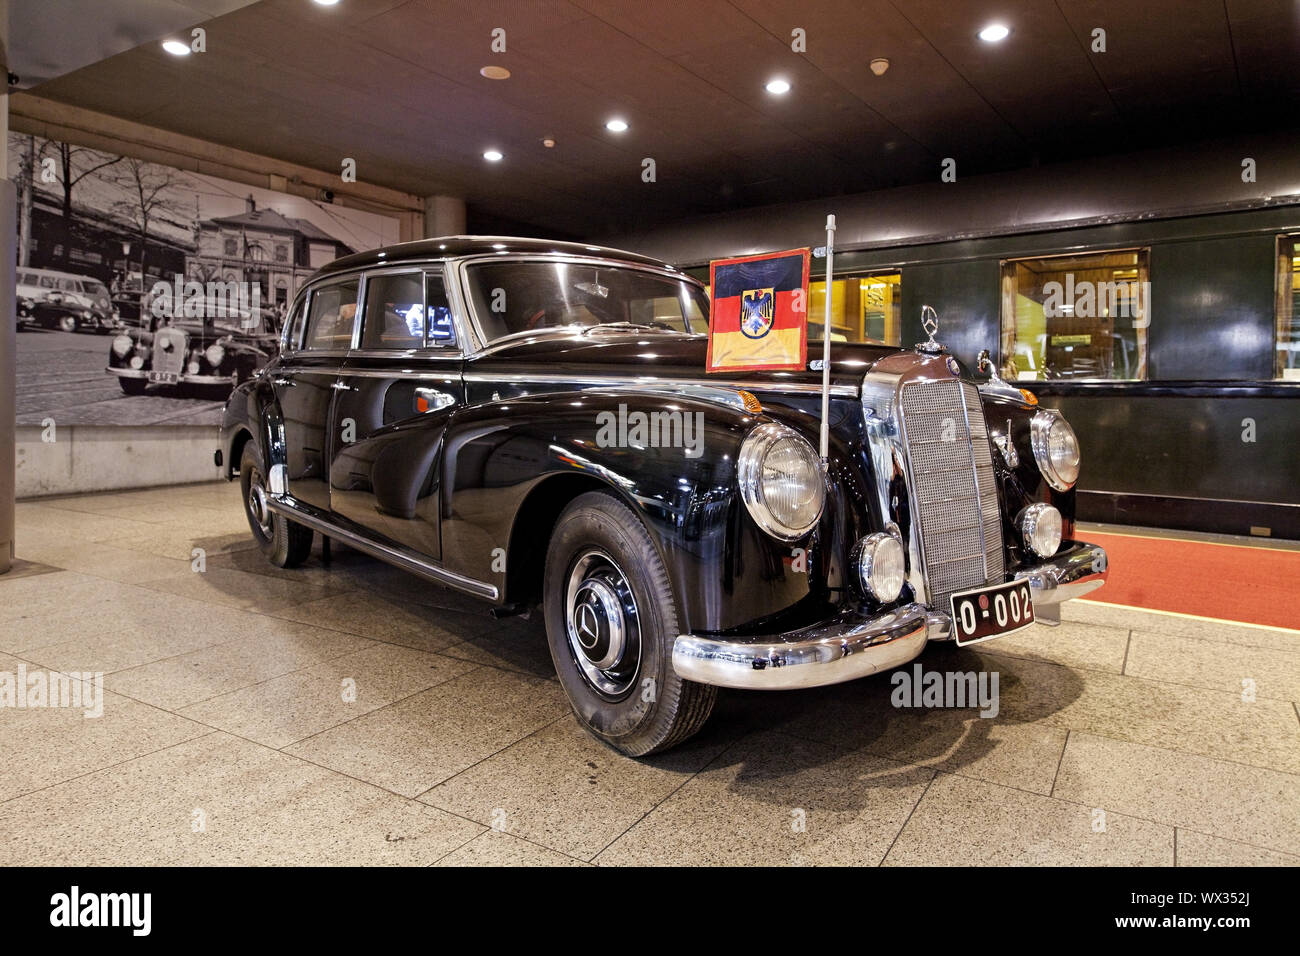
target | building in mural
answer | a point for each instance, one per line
(265, 246)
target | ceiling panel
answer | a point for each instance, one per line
(395, 84)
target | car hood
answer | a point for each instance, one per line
(663, 355)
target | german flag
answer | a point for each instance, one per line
(753, 320)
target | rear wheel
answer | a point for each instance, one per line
(285, 543)
(611, 619)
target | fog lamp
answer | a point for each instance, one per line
(193, 367)
(137, 361)
(1040, 528)
(881, 566)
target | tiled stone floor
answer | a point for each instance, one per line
(1122, 738)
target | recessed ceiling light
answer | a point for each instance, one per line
(616, 125)
(778, 86)
(549, 142)
(326, 3)
(493, 155)
(879, 65)
(495, 72)
(176, 47)
(994, 33)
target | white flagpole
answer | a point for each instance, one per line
(826, 346)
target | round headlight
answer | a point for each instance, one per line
(121, 345)
(881, 566)
(214, 355)
(781, 481)
(137, 361)
(1056, 449)
(193, 367)
(1040, 528)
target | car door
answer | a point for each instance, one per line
(306, 381)
(397, 392)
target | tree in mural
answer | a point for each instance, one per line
(150, 195)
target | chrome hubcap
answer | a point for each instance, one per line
(257, 503)
(603, 628)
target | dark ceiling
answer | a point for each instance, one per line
(395, 84)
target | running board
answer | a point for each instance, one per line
(407, 561)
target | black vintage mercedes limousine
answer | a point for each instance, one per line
(531, 422)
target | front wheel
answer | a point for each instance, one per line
(611, 619)
(67, 323)
(285, 543)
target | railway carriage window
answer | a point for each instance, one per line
(331, 316)
(863, 309)
(394, 317)
(441, 331)
(1288, 308)
(1076, 317)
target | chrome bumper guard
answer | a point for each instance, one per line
(1070, 574)
(846, 648)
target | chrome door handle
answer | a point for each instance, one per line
(343, 387)
(283, 382)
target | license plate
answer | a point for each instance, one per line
(166, 378)
(989, 612)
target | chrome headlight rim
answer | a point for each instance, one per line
(122, 345)
(214, 354)
(1040, 432)
(866, 556)
(1029, 523)
(749, 475)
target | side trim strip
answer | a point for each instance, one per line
(406, 560)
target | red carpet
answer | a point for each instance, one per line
(1232, 582)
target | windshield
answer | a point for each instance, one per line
(512, 297)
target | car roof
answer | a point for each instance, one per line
(446, 247)
(62, 275)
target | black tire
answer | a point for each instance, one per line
(67, 323)
(132, 386)
(600, 548)
(285, 543)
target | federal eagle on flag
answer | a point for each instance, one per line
(759, 312)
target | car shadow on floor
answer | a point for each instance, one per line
(819, 727)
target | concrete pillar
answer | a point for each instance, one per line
(443, 216)
(8, 320)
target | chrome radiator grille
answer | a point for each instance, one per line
(954, 493)
(169, 346)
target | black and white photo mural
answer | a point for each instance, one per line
(145, 292)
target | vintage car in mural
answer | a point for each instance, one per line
(530, 422)
(66, 301)
(203, 356)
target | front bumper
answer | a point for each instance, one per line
(183, 379)
(846, 648)
(852, 645)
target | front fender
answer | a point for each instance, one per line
(725, 571)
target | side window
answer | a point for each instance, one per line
(330, 318)
(296, 322)
(394, 317)
(442, 332)
(47, 282)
